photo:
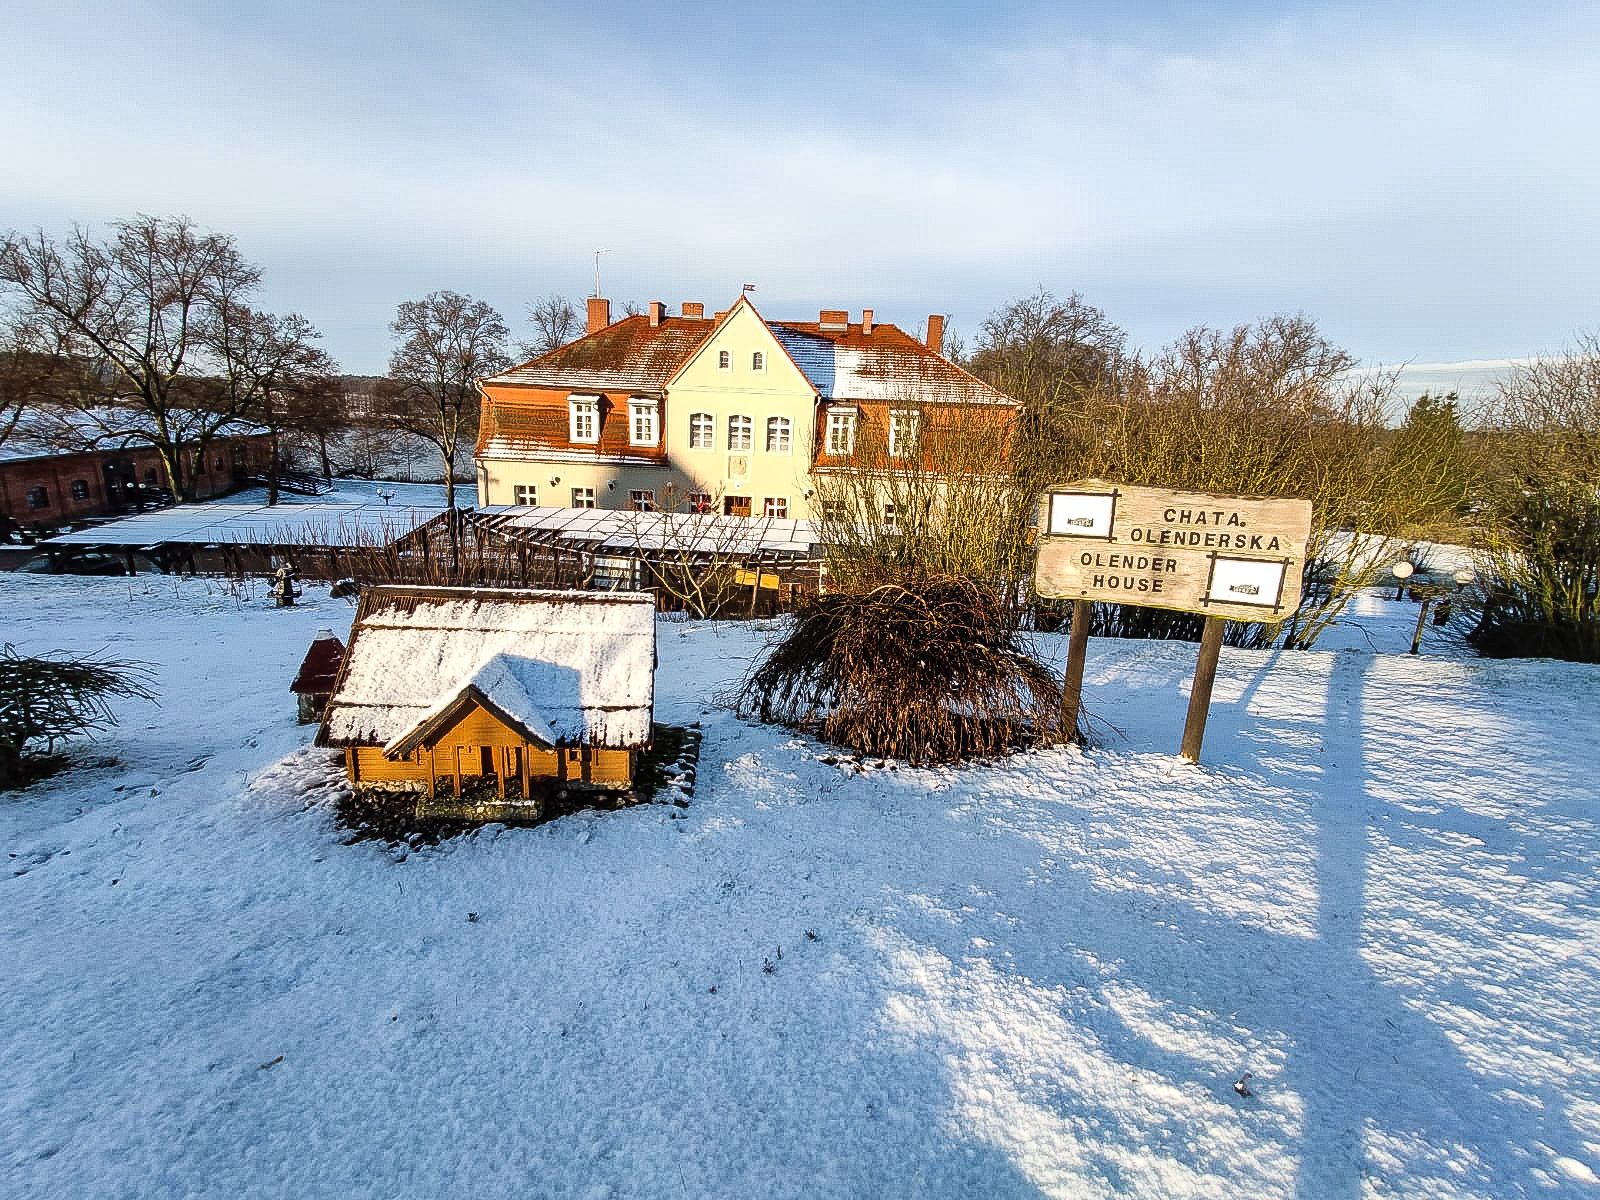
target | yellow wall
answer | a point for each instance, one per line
(778, 391)
(497, 478)
(477, 729)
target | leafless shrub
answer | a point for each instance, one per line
(52, 699)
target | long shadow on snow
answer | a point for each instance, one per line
(1429, 1091)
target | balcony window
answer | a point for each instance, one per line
(584, 418)
(842, 432)
(779, 435)
(741, 433)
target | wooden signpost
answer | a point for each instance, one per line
(1224, 557)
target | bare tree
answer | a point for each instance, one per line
(271, 363)
(555, 322)
(52, 699)
(29, 373)
(447, 343)
(148, 312)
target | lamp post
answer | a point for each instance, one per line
(1427, 593)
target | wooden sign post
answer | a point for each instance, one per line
(1225, 557)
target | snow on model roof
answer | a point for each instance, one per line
(577, 667)
(345, 524)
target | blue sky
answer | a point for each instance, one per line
(1419, 178)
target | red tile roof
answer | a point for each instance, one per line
(628, 355)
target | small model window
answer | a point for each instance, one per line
(741, 433)
(758, 361)
(584, 418)
(841, 432)
(38, 498)
(642, 500)
(702, 431)
(724, 360)
(779, 435)
(582, 497)
(80, 489)
(642, 423)
(775, 506)
(525, 493)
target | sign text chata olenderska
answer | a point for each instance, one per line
(1222, 556)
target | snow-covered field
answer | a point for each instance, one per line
(1380, 896)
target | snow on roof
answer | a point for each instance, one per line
(843, 363)
(337, 524)
(45, 432)
(628, 354)
(687, 533)
(576, 667)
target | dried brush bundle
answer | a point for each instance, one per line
(927, 671)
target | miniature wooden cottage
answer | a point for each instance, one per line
(468, 689)
(319, 670)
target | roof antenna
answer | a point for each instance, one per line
(597, 255)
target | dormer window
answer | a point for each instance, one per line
(758, 361)
(724, 360)
(903, 424)
(642, 424)
(842, 431)
(583, 415)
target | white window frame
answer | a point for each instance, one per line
(699, 502)
(583, 419)
(780, 435)
(741, 433)
(900, 418)
(708, 428)
(644, 428)
(775, 506)
(583, 497)
(525, 493)
(642, 500)
(758, 361)
(724, 360)
(841, 429)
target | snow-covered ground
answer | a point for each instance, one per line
(1380, 896)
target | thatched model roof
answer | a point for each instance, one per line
(561, 668)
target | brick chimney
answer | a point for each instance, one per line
(834, 319)
(866, 320)
(936, 333)
(693, 308)
(599, 314)
(656, 310)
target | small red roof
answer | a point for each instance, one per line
(320, 668)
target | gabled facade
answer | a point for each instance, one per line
(735, 411)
